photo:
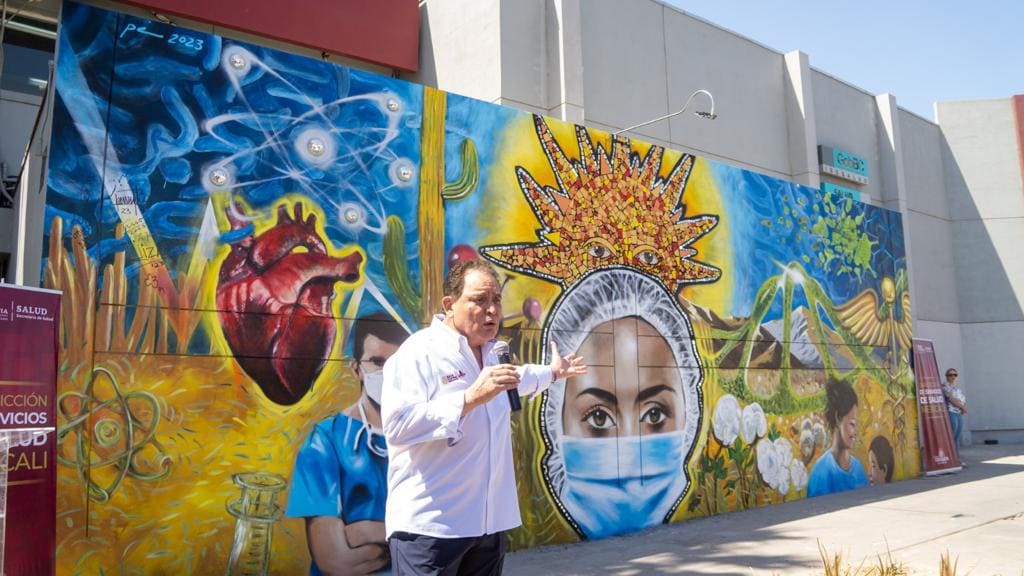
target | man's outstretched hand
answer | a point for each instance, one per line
(567, 367)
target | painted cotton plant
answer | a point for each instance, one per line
(778, 467)
(812, 437)
(774, 459)
(746, 462)
(709, 497)
(726, 422)
(725, 467)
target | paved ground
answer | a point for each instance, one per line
(977, 515)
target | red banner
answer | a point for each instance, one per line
(936, 434)
(29, 328)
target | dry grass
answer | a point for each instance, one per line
(947, 568)
(834, 565)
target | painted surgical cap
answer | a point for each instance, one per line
(600, 297)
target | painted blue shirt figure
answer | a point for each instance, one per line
(341, 470)
(827, 476)
(838, 469)
(339, 484)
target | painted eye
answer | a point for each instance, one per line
(648, 257)
(654, 416)
(599, 418)
(599, 252)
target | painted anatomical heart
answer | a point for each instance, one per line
(275, 302)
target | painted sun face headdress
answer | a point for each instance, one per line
(610, 209)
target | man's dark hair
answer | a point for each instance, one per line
(883, 455)
(378, 324)
(456, 279)
(839, 400)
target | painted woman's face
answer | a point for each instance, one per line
(632, 386)
(848, 429)
(876, 474)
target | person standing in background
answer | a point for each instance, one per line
(956, 403)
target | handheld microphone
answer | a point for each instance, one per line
(501, 351)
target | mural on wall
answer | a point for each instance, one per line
(244, 236)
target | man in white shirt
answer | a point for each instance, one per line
(446, 417)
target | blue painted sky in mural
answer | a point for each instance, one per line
(930, 51)
(772, 223)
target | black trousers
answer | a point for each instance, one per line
(418, 555)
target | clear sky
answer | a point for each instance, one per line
(919, 50)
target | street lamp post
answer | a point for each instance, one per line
(708, 115)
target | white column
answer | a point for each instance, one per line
(565, 86)
(803, 131)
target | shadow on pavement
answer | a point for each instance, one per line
(732, 543)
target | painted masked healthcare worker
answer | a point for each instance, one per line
(619, 437)
(340, 480)
(447, 419)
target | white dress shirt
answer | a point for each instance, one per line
(448, 476)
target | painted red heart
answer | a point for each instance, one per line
(274, 303)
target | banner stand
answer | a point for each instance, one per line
(29, 346)
(8, 439)
(5, 444)
(939, 452)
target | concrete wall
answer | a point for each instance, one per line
(642, 60)
(747, 81)
(626, 81)
(611, 64)
(846, 118)
(929, 222)
(567, 292)
(460, 46)
(524, 54)
(986, 209)
(932, 266)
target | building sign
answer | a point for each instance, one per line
(840, 191)
(842, 164)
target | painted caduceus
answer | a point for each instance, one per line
(881, 320)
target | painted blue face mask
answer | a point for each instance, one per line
(619, 485)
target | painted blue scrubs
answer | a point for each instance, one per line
(337, 473)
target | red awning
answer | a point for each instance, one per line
(384, 32)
